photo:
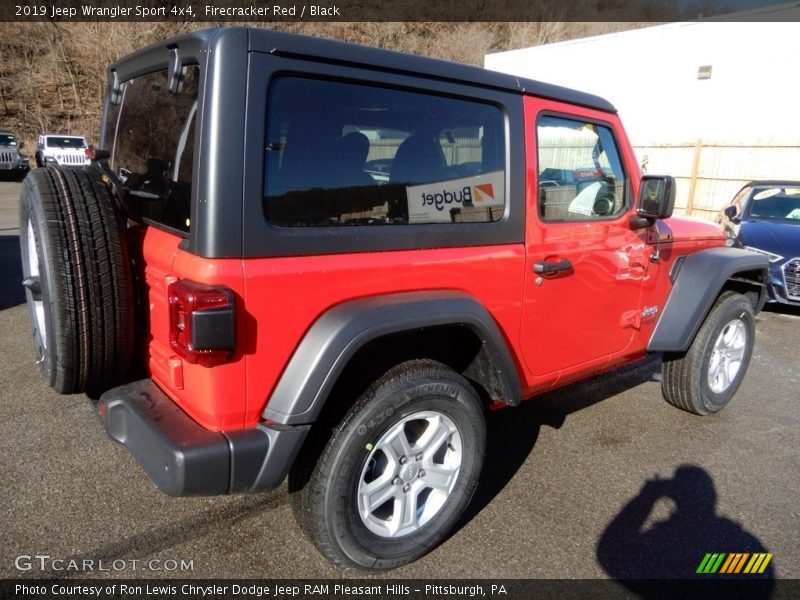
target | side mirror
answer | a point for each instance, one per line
(656, 197)
(730, 212)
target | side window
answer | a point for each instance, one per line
(152, 133)
(580, 172)
(349, 154)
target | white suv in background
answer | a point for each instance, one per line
(61, 149)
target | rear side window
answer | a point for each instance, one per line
(341, 153)
(152, 147)
(580, 171)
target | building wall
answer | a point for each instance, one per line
(712, 134)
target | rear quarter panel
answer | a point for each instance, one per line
(214, 397)
(284, 296)
(278, 299)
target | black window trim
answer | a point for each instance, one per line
(263, 239)
(589, 120)
(240, 59)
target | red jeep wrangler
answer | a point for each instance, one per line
(295, 256)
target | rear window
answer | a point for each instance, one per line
(152, 147)
(340, 153)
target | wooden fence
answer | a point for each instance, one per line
(709, 174)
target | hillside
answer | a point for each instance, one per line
(52, 75)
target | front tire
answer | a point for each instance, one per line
(399, 470)
(704, 379)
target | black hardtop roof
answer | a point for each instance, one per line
(312, 48)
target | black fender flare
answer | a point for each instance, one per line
(698, 280)
(338, 334)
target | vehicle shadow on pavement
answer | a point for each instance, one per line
(635, 548)
(11, 290)
(512, 432)
(783, 309)
(214, 522)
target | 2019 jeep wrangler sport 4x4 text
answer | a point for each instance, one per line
(297, 256)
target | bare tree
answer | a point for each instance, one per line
(52, 75)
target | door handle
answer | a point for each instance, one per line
(552, 267)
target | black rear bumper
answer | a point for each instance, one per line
(183, 458)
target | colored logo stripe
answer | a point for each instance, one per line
(711, 563)
(758, 563)
(734, 562)
(727, 564)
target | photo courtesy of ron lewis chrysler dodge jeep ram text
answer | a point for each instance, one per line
(292, 256)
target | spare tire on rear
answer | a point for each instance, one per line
(77, 277)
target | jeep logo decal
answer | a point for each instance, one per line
(649, 312)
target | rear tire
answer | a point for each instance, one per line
(417, 436)
(704, 379)
(78, 279)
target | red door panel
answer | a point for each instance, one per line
(584, 271)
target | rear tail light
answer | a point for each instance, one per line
(202, 322)
(93, 153)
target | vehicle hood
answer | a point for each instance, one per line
(686, 229)
(777, 237)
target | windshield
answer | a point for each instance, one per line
(776, 204)
(6, 139)
(66, 142)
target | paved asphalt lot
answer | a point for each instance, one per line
(561, 469)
